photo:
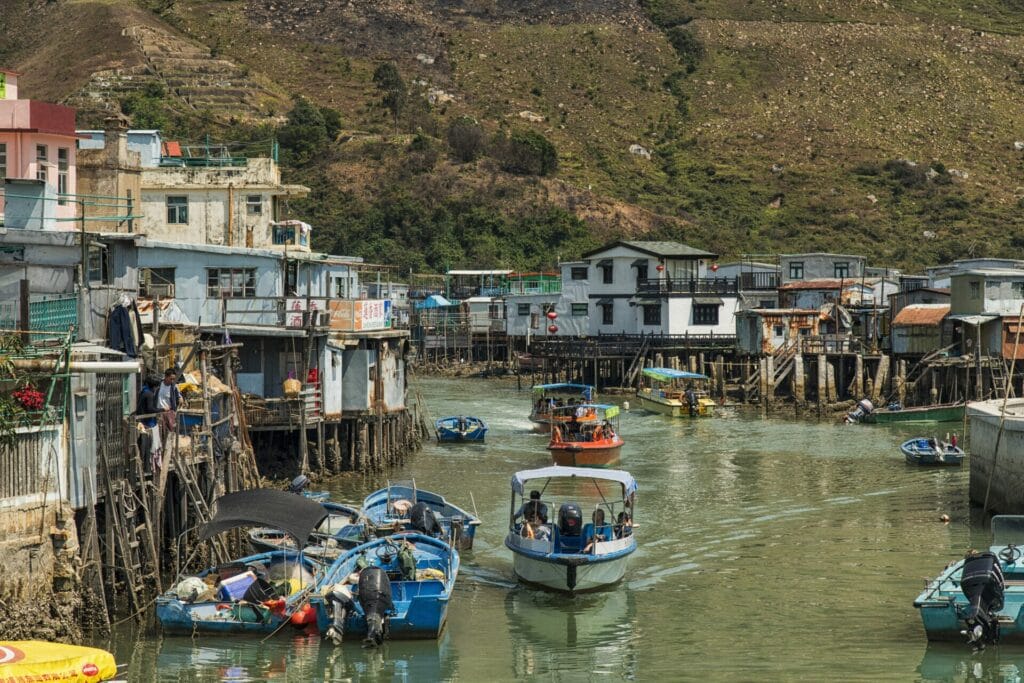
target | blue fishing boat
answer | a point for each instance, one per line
(565, 554)
(979, 598)
(922, 451)
(403, 507)
(397, 587)
(459, 428)
(258, 593)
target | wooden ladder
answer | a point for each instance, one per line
(999, 373)
(188, 477)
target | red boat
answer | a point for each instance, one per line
(590, 443)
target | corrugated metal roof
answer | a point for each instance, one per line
(921, 314)
(828, 283)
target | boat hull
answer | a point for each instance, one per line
(569, 578)
(936, 414)
(583, 456)
(917, 452)
(672, 407)
(178, 617)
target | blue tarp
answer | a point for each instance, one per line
(434, 301)
(667, 374)
(625, 478)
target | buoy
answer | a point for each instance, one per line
(625, 406)
(304, 615)
(944, 519)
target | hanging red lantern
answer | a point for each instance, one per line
(714, 267)
(552, 328)
(552, 315)
(660, 267)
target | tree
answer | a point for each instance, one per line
(390, 83)
(304, 135)
(332, 121)
(465, 138)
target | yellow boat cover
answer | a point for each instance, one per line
(32, 661)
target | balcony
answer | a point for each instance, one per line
(759, 282)
(299, 312)
(667, 286)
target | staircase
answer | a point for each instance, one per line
(784, 360)
(999, 379)
(637, 364)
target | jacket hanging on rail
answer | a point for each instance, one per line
(124, 327)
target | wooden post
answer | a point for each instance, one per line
(857, 388)
(978, 377)
(24, 311)
(207, 421)
(799, 380)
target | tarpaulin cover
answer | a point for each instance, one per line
(667, 374)
(36, 660)
(292, 513)
(434, 301)
(625, 478)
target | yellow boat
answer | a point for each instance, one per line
(665, 396)
(36, 660)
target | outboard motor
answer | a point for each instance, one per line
(423, 519)
(375, 598)
(863, 409)
(298, 484)
(341, 603)
(570, 519)
(982, 584)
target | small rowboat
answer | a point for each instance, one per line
(459, 429)
(594, 443)
(921, 451)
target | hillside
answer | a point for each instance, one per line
(885, 128)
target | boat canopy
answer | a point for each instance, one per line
(609, 410)
(559, 386)
(669, 374)
(519, 479)
(293, 514)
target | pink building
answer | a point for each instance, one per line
(37, 142)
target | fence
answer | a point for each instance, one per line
(31, 467)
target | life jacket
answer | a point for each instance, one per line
(528, 528)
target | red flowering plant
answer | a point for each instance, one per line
(29, 398)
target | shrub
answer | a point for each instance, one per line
(687, 46)
(525, 153)
(304, 135)
(465, 138)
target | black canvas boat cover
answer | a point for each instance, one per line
(293, 514)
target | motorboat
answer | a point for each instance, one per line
(566, 553)
(398, 587)
(460, 428)
(401, 506)
(258, 593)
(677, 393)
(548, 397)
(592, 443)
(927, 451)
(979, 598)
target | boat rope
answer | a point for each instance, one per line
(1002, 413)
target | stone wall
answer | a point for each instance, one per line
(1006, 494)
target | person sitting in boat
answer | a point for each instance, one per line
(598, 520)
(623, 525)
(533, 511)
(691, 398)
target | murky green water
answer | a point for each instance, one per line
(769, 550)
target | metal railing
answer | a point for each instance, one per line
(754, 282)
(668, 285)
(312, 312)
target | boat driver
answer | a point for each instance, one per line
(533, 511)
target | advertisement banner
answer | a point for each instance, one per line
(361, 315)
(294, 309)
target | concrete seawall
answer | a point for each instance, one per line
(1005, 470)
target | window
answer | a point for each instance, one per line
(534, 321)
(523, 309)
(41, 160)
(641, 272)
(796, 270)
(235, 283)
(291, 277)
(777, 331)
(842, 269)
(578, 272)
(98, 266)
(705, 314)
(766, 303)
(3, 160)
(1018, 290)
(652, 314)
(607, 314)
(975, 289)
(155, 282)
(580, 310)
(62, 174)
(341, 287)
(177, 210)
(606, 274)
(254, 204)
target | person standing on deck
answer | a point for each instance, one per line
(168, 398)
(691, 399)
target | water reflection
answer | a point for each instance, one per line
(955, 663)
(580, 637)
